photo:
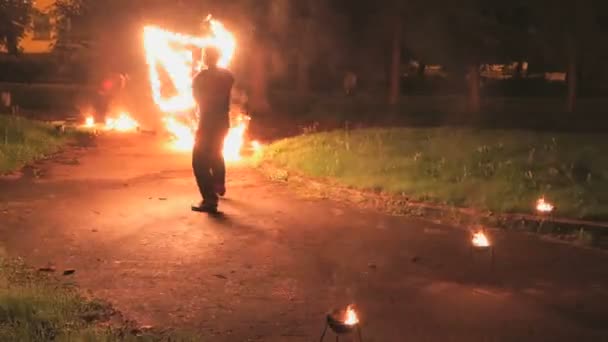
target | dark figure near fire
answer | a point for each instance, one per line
(211, 89)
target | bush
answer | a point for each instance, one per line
(47, 97)
(22, 141)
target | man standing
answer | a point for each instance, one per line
(211, 90)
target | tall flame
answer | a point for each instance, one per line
(173, 52)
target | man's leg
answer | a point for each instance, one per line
(201, 163)
(198, 167)
(218, 165)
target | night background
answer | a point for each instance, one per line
(432, 170)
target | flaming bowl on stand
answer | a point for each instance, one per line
(480, 240)
(342, 322)
(544, 207)
(481, 243)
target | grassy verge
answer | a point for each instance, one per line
(499, 171)
(23, 141)
(35, 307)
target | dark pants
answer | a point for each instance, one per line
(208, 164)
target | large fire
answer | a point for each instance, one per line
(173, 53)
(120, 121)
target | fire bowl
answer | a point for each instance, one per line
(336, 323)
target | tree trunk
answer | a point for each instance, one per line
(395, 75)
(303, 79)
(571, 76)
(421, 71)
(12, 45)
(474, 89)
(259, 81)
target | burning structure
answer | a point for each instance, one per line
(177, 57)
(173, 60)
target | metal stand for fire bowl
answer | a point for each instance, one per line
(483, 250)
(339, 327)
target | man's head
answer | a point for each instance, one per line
(212, 56)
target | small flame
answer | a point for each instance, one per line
(123, 123)
(89, 122)
(256, 146)
(183, 135)
(480, 240)
(350, 317)
(234, 142)
(544, 206)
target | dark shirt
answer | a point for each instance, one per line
(211, 89)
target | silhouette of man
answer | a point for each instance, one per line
(211, 90)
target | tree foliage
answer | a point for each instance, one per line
(302, 40)
(15, 19)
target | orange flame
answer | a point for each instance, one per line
(172, 51)
(480, 240)
(256, 146)
(89, 122)
(544, 206)
(123, 123)
(350, 316)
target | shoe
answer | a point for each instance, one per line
(220, 190)
(205, 208)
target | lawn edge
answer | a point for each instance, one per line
(106, 319)
(582, 233)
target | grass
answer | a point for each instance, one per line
(23, 141)
(497, 170)
(35, 307)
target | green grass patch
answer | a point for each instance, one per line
(36, 307)
(23, 141)
(496, 170)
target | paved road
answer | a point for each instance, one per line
(275, 263)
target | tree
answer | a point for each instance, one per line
(302, 34)
(376, 39)
(15, 19)
(396, 19)
(568, 35)
(464, 35)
